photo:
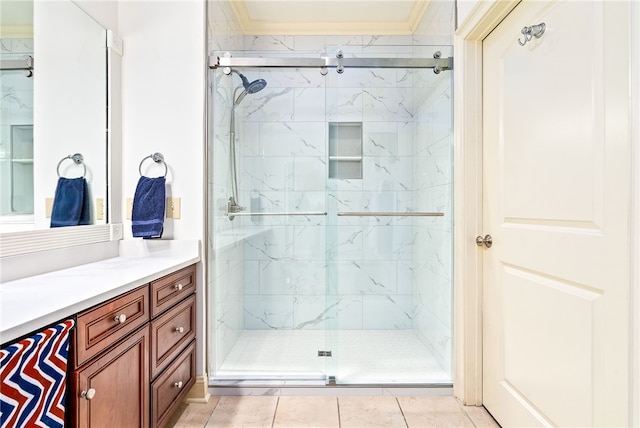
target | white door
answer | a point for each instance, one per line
(556, 189)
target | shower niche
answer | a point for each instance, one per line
(345, 150)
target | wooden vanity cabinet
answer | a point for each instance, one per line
(134, 356)
(113, 390)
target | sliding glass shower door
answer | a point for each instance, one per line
(331, 261)
(389, 225)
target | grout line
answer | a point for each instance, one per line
(273, 421)
(212, 411)
(468, 416)
(402, 412)
(339, 419)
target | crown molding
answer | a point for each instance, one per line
(260, 27)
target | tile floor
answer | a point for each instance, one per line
(339, 412)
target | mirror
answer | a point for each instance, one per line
(59, 111)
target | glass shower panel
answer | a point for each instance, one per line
(389, 222)
(335, 265)
(269, 287)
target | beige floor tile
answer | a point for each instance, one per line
(438, 411)
(298, 412)
(480, 417)
(245, 411)
(367, 412)
(193, 415)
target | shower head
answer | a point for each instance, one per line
(253, 87)
(249, 87)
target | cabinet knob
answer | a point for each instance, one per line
(178, 286)
(178, 384)
(179, 329)
(88, 394)
(119, 319)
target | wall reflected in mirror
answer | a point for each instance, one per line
(60, 110)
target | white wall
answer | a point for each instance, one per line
(163, 86)
(464, 9)
(163, 110)
(105, 12)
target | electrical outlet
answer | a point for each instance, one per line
(48, 207)
(100, 209)
(173, 208)
(129, 207)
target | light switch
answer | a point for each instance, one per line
(129, 208)
(48, 207)
(173, 208)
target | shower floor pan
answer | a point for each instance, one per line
(360, 357)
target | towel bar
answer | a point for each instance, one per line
(77, 159)
(389, 214)
(157, 158)
(302, 213)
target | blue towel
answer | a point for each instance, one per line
(147, 213)
(71, 203)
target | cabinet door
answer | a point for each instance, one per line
(113, 391)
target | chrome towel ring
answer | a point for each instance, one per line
(157, 158)
(77, 159)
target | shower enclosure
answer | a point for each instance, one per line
(330, 217)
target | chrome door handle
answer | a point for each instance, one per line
(487, 241)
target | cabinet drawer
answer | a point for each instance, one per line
(170, 332)
(102, 326)
(167, 291)
(168, 391)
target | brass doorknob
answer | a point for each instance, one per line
(487, 241)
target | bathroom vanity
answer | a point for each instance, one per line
(132, 353)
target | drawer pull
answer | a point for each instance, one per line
(178, 286)
(120, 319)
(179, 329)
(178, 384)
(89, 394)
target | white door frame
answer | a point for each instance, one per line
(482, 19)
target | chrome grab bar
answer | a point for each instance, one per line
(309, 213)
(389, 214)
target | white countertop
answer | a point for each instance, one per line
(31, 303)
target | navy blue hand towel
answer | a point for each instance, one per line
(71, 203)
(147, 213)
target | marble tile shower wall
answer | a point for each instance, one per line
(368, 265)
(16, 92)
(380, 274)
